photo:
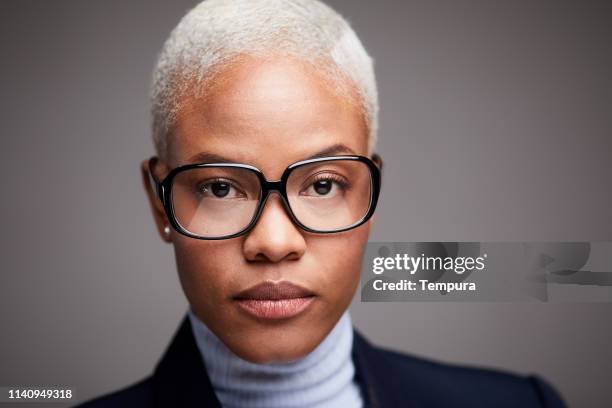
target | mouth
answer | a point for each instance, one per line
(275, 300)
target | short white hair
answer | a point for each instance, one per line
(215, 31)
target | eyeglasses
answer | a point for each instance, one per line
(224, 200)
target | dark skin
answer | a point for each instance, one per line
(267, 113)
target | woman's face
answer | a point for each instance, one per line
(268, 114)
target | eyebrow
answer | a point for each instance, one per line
(207, 157)
(332, 150)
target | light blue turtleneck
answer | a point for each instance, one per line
(323, 378)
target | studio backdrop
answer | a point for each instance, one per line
(495, 126)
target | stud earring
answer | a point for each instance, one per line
(167, 230)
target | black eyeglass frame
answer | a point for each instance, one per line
(164, 189)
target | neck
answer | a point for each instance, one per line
(324, 377)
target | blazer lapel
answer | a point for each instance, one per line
(379, 384)
(180, 378)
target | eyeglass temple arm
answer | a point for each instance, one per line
(377, 160)
(155, 184)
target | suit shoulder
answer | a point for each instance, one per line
(476, 386)
(136, 395)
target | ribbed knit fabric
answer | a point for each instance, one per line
(323, 378)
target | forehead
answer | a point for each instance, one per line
(267, 113)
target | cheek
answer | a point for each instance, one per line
(340, 259)
(203, 268)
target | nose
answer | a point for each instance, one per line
(275, 237)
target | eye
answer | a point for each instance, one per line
(325, 186)
(219, 189)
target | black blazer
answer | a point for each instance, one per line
(386, 379)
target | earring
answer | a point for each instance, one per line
(167, 230)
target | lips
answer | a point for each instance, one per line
(275, 300)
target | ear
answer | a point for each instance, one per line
(159, 214)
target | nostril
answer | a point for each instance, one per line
(267, 256)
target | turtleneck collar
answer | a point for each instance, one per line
(323, 378)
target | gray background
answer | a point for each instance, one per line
(495, 126)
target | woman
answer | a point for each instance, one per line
(265, 183)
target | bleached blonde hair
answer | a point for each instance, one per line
(216, 32)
